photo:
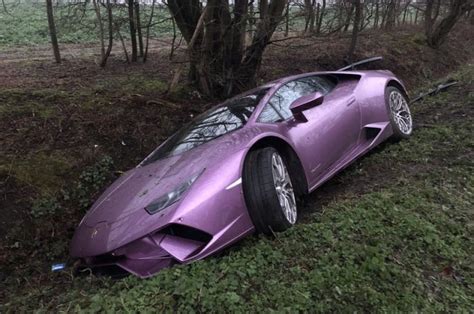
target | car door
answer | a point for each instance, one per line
(332, 129)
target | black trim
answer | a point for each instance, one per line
(353, 65)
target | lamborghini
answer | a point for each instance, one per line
(240, 168)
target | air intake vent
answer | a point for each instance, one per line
(187, 233)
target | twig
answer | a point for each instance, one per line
(5, 8)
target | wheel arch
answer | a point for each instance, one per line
(395, 83)
(290, 156)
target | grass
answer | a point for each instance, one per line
(400, 239)
(25, 23)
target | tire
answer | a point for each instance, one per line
(399, 113)
(264, 187)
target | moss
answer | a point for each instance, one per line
(136, 83)
(38, 103)
(44, 172)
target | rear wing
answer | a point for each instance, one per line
(353, 65)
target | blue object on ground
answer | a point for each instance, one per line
(58, 267)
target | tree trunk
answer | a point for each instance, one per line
(309, 6)
(52, 31)
(133, 31)
(318, 12)
(238, 26)
(436, 33)
(124, 47)
(263, 8)
(196, 34)
(251, 21)
(349, 17)
(101, 28)
(103, 62)
(139, 28)
(147, 39)
(355, 29)
(376, 19)
(390, 15)
(436, 10)
(405, 11)
(186, 14)
(253, 54)
(307, 14)
(321, 17)
(173, 40)
(312, 18)
(219, 60)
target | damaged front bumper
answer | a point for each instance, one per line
(146, 256)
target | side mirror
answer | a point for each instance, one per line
(304, 103)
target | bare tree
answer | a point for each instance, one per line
(148, 27)
(52, 30)
(349, 17)
(377, 13)
(221, 62)
(122, 41)
(405, 11)
(310, 15)
(106, 55)
(355, 29)
(391, 14)
(139, 28)
(133, 29)
(436, 32)
(321, 17)
(101, 28)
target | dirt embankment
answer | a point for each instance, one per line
(404, 52)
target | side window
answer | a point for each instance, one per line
(278, 107)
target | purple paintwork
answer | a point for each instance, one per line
(118, 230)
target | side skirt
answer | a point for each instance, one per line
(373, 134)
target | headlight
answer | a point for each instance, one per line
(172, 197)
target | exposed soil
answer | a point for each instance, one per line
(404, 53)
(33, 67)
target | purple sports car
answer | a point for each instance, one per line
(239, 168)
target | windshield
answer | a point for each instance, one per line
(212, 124)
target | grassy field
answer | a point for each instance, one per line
(25, 23)
(396, 235)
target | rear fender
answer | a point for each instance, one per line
(371, 95)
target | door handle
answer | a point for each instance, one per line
(351, 101)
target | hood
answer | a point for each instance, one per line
(138, 187)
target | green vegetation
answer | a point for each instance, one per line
(90, 181)
(400, 238)
(25, 23)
